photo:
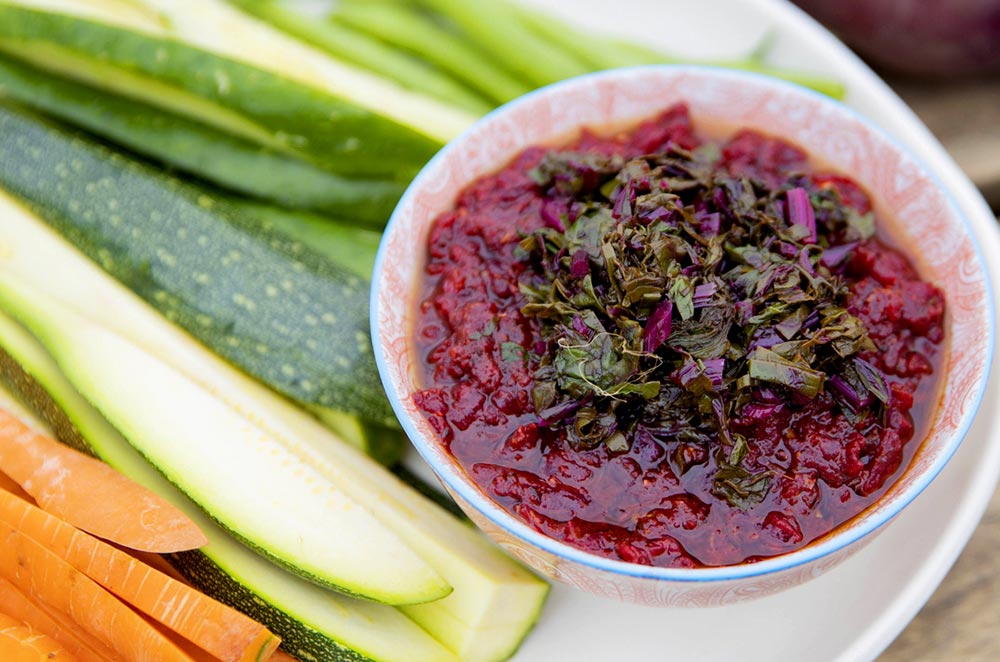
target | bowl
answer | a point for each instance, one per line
(937, 234)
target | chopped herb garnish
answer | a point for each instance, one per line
(675, 294)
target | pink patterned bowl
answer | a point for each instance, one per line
(935, 230)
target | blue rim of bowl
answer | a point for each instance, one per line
(826, 546)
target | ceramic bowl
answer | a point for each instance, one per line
(930, 224)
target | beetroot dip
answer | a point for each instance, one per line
(754, 451)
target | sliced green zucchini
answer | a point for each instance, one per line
(198, 149)
(210, 62)
(495, 600)
(27, 243)
(384, 445)
(496, 30)
(350, 247)
(247, 480)
(315, 624)
(362, 50)
(405, 26)
(280, 312)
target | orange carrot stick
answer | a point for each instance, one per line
(194, 652)
(216, 628)
(91, 495)
(43, 576)
(156, 562)
(56, 625)
(9, 484)
(19, 642)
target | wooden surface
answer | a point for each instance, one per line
(965, 116)
(961, 622)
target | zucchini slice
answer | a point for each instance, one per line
(495, 600)
(284, 314)
(198, 149)
(365, 51)
(214, 64)
(313, 623)
(351, 248)
(245, 479)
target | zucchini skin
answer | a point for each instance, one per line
(265, 303)
(297, 638)
(362, 50)
(74, 423)
(199, 149)
(352, 248)
(335, 134)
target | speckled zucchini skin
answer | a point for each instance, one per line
(280, 312)
(223, 569)
(297, 639)
(335, 134)
(199, 149)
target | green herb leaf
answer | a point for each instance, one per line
(752, 305)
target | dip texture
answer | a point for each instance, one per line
(675, 351)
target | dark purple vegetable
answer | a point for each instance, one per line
(658, 326)
(800, 212)
(684, 297)
(836, 256)
(854, 399)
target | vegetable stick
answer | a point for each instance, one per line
(42, 575)
(158, 563)
(19, 642)
(362, 50)
(59, 627)
(190, 649)
(91, 495)
(345, 243)
(409, 29)
(199, 149)
(56, 625)
(495, 27)
(9, 484)
(282, 656)
(220, 630)
(603, 52)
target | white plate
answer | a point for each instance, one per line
(855, 611)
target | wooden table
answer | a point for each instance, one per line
(961, 622)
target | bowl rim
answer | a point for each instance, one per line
(840, 538)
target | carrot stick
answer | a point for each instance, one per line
(282, 656)
(43, 576)
(194, 652)
(91, 495)
(19, 642)
(9, 484)
(216, 628)
(157, 562)
(58, 626)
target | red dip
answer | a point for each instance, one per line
(674, 351)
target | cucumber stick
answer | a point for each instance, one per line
(282, 313)
(244, 478)
(315, 624)
(195, 148)
(495, 601)
(208, 61)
